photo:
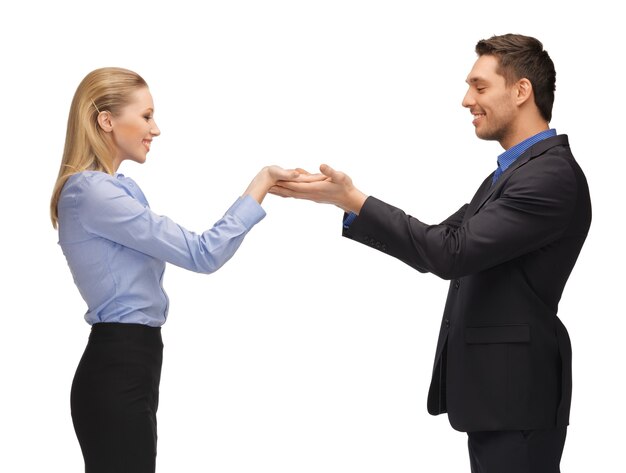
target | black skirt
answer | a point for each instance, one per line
(114, 399)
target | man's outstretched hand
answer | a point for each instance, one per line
(329, 187)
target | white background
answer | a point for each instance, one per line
(306, 352)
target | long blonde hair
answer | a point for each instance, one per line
(86, 148)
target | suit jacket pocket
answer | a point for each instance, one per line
(514, 333)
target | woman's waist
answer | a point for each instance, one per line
(106, 332)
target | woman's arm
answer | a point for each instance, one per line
(105, 208)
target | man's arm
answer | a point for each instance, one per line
(534, 209)
(456, 219)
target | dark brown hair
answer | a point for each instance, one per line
(524, 57)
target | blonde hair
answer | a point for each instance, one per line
(86, 147)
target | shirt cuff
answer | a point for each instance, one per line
(347, 221)
(247, 210)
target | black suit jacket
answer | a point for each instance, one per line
(503, 358)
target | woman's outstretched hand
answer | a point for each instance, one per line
(270, 175)
(329, 187)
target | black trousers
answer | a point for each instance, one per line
(517, 451)
(114, 398)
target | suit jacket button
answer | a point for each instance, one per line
(447, 322)
(457, 284)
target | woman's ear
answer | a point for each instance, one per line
(105, 121)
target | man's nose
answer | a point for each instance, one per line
(468, 100)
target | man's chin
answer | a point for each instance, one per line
(486, 135)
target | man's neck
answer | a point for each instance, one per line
(523, 133)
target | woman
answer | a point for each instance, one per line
(116, 248)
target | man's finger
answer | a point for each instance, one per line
(311, 177)
(280, 191)
(330, 172)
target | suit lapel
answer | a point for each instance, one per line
(530, 153)
(478, 198)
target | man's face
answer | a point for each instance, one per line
(490, 101)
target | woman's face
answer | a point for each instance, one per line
(133, 128)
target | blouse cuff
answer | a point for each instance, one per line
(247, 210)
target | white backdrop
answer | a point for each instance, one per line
(306, 352)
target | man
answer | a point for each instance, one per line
(502, 367)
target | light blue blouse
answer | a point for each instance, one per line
(116, 247)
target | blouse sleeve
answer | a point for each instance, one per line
(106, 209)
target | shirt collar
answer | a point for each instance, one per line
(510, 155)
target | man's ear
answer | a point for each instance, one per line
(523, 90)
(105, 121)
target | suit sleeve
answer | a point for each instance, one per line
(456, 219)
(533, 208)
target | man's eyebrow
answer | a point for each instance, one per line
(473, 80)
